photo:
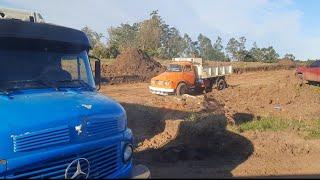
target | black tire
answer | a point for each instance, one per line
(182, 89)
(208, 89)
(221, 84)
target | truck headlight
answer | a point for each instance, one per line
(167, 83)
(127, 153)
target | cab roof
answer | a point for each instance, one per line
(12, 30)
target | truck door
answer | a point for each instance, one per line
(189, 75)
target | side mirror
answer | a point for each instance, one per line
(97, 71)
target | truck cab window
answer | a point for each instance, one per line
(187, 68)
(315, 64)
(22, 69)
(75, 66)
(174, 68)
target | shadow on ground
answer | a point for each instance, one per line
(241, 118)
(201, 148)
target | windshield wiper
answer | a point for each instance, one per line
(4, 91)
(47, 83)
(81, 82)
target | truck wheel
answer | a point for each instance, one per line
(208, 89)
(300, 79)
(182, 89)
(221, 84)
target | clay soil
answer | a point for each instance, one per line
(190, 136)
(131, 66)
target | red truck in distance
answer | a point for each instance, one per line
(310, 73)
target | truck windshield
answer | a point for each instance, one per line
(33, 70)
(174, 68)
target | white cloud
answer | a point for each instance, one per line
(268, 22)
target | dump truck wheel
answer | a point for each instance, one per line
(221, 84)
(182, 89)
(300, 78)
(208, 89)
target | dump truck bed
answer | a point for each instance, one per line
(204, 72)
(213, 71)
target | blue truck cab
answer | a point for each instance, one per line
(53, 121)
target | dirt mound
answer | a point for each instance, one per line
(132, 65)
(269, 94)
(287, 63)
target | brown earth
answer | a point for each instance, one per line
(274, 93)
(287, 62)
(189, 137)
(132, 65)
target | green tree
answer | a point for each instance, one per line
(123, 36)
(149, 34)
(236, 49)
(217, 52)
(289, 56)
(242, 52)
(93, 36)
(270, 54)
(190, 47)
(99, 49)
(172, 43)
(255, 54)
(112, 52)
(205, 47)
(262, 54)
(232, 48)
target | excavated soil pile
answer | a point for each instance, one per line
(287, 63)
(132, 66)
(269, 94)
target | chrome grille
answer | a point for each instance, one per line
(102, 126)
(103, 163)
(41, 139)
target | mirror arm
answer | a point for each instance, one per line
(93, 57)
(97, 59)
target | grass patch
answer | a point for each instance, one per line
(307, 129)
(264, 124)
(192, 117)
(314, 130)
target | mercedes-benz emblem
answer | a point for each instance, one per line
(78, 168)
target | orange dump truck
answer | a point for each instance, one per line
(184, 75)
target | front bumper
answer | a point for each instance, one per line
(161, 91)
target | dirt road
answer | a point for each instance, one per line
(188, 137)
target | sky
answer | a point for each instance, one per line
(290, 26)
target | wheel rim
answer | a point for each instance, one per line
(221, 85)
(183, 90)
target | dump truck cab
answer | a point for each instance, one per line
(54, 122)
(188, 74)
(176, 73)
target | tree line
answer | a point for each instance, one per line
(161, 40)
